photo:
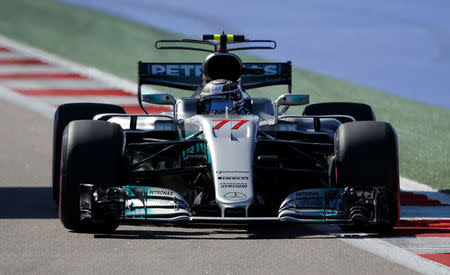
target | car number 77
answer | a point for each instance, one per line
(222, 122)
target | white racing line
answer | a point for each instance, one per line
(371, 244)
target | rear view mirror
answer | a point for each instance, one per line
(160, 99)
(289, 100)
(292, 100)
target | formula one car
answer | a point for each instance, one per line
(221, 155)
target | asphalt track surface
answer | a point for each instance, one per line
(399, 47)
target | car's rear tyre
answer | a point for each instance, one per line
(65, 114)
(359, 111)
(91, 154)
(367, 155)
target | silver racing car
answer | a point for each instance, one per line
(220, 155)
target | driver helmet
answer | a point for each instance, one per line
(219, 94)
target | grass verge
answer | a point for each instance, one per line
(115, 45)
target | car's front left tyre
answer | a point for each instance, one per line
(366, 155)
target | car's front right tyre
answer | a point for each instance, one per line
(63, 116)
(91, 155)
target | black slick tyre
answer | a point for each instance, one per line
(367, 155)
(91, 154)
(65, 114)
(359, 111)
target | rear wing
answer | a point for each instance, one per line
(188, 76)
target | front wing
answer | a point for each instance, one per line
(139, 204)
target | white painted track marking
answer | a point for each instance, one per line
(118, 100)
(32, 69)
(55, 84)
(11, 55)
